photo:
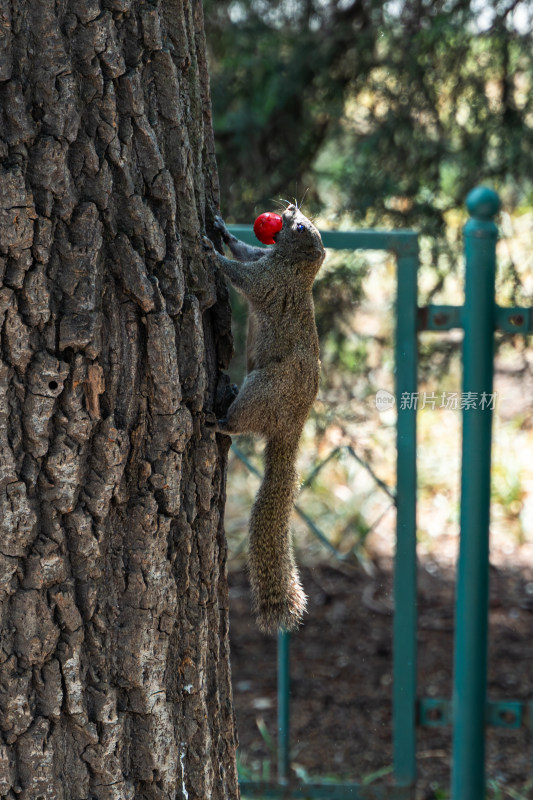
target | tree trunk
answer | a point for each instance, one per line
(114, 670)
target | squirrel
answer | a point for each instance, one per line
(283, 368)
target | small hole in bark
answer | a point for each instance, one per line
(53, 385)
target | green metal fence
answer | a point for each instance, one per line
(469, 710)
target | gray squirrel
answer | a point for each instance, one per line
(276, 396)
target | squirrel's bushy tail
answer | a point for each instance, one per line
(279, 600)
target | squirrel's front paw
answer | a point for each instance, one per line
(210, 251)
(208, 245)
(220, 227)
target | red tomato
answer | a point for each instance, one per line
(266, 226)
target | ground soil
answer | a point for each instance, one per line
(342, 677)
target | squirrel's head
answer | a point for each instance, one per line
(300, 242)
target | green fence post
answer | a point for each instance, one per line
(471, 620)
(284, 689)
(405, 600)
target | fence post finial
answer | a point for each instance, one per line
(483, 203)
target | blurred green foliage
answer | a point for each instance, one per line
(390, 111)
(387, 114)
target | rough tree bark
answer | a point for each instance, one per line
(114, 671)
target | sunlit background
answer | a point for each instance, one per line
(385, 114)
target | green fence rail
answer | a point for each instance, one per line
(469, 710)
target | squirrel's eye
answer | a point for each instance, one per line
(300, 227)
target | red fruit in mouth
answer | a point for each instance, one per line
(266, 226)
